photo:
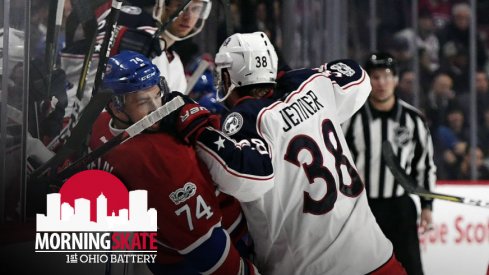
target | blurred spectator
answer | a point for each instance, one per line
(456, 64)
(482, 99)
(235, 18)
(451, 143)
(39, 20)
(483, 132)
(426, 71)
(405, 87)
(456, 32)
(277, 13)
(261, 18)
(392, 17)
(440, 9)
(259, 15)
(400, 49)
(482, 169)
(426, 39)
(438, 99)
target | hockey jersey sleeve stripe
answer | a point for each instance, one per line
(345, 73)
(311, 78)
(235, 224)
(216, 255)
(212, 253)
(240, 160)
(200, 241)
(256, 175)
(355, 83)
(230, 170)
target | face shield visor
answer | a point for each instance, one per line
(195, 15)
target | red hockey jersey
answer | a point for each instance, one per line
(190, 210)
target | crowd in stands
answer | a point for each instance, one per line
(441, 43)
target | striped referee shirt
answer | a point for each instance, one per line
(406, 129)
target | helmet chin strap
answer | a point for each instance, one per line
(173, 38)
(128, 122)
(168, 39)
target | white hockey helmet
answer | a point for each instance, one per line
(250, 58)
(200, 8)
(15, 47)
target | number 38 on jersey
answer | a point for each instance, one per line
(315, 168)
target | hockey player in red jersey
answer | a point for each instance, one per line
(304, 201)
(197, 226)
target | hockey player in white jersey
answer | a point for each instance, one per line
(305, 204)
(186, 25)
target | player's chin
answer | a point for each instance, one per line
(182, 32)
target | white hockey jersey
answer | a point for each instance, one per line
(309, 213)
(172, 71)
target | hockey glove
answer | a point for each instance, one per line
(138, 41)
(192, 119)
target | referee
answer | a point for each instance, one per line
(386, 117)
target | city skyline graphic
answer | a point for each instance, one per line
(63, 217)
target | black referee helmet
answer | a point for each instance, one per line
(381, 61)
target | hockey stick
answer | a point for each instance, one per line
(107, 43)
(130, 132)
(203, 65)
(99, 100)
(96, 104)
(85, 14)
(410, 185)
(93, 33)
(56, 8)
(78, 134)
